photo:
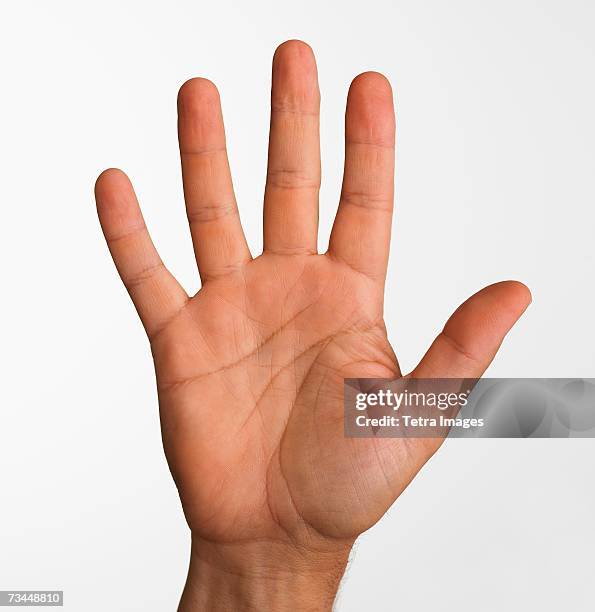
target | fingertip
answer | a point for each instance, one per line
(200, 119)
(514, 293)
(116, 203)
(522, 292)
(295, 78)
(294, 50)
(371, 82)
(197, 91)
(109, 180)
(370, 111)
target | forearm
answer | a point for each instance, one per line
(263, 576)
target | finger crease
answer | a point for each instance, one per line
(205, 213)
(367, 201)
(458, 347)
(141, 277)
(292, 110)
(136, 230)
(205, 151)
(369, 143)
(291, 178)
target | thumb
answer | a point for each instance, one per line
(473, 334)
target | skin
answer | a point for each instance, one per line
(250, 370)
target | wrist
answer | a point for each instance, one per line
(264, 575)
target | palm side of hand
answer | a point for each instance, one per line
(250, 382)
(250, 370)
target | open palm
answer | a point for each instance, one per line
(250, 370)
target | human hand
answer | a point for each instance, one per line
(250, 370)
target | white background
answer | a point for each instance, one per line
(495, 180)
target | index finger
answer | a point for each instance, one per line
(362, 228)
